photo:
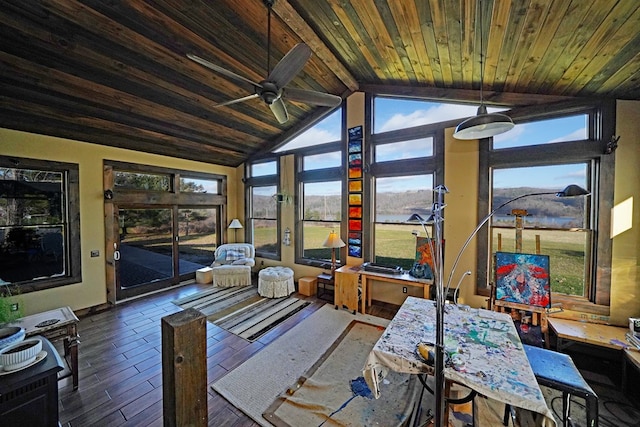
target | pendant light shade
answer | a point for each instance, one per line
(483, 125)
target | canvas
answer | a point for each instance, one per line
(523, 279)
(423, 266)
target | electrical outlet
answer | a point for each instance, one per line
(14, 307)
(95, 253)
(404, 289)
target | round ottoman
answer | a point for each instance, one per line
(275, 282)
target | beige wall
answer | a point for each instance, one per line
(91, 291)
(625, 267)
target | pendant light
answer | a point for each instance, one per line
(483, 125)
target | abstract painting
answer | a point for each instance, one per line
(523, 279)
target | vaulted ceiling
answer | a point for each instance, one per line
(115, 72)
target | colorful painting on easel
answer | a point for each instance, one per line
(523, 279)
(424, 265)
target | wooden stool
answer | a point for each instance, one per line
(557, 371)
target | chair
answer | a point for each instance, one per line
(232, 264)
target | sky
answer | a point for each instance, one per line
(392, 114)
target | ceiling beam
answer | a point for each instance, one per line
(292, 18)
(510, 99)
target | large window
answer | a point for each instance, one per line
(39, 224)
(319, 186)
(262, 191)
(405, 150)
(545, 154)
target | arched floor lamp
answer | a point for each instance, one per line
(440, 191)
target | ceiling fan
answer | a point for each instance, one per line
(273, 90)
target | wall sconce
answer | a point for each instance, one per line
(286, 240)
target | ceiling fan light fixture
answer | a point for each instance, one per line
(483, 125)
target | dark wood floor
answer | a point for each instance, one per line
(120, 363)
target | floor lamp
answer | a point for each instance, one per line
(333, 241)
(235, 225)
(440, 191)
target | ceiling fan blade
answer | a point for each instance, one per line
(220, 70)
(235, 101)
(279, 111)
(311, 97)
(290, 65)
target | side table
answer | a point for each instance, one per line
(29, 397)
(325, 280)
(55, 325)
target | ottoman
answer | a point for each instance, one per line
(225, 276)
(275, 282)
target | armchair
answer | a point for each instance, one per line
(232, 264)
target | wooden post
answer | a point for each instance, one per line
(184, 369)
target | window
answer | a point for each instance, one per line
(403, 154)
(262, 210)
(546, 153)
(39, 224)
(318, 188)
(329, 129)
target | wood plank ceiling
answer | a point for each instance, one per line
(115, 72)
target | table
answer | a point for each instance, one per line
(493, 362)
(566, 331)
(347, 286)
(325, 280)
(29, 397)
(612, 338)
(63, 326)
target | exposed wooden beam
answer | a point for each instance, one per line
(289, 15)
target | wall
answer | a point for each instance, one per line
(625, 266)
(92, 290)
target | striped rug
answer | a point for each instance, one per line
(241, 311)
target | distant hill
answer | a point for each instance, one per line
(408, 202)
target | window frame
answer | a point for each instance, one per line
(72, 241)
(262, 181)
(601, 124)
(433, 165)
(302, 177)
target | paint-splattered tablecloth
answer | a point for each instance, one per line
(483, 352)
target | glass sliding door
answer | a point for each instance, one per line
(196, 238)
(145, 250)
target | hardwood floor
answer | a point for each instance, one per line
(120, 363)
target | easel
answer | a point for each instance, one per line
(538, 314)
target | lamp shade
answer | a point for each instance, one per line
(333, 241)
(572, 191)
(483, 125)
(235, 223)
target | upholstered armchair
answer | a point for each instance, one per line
(232, 264)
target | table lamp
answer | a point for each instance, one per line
(235, 225)
(333, 242)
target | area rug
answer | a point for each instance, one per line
(333, 391)
(254, 385)
(241, 311)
